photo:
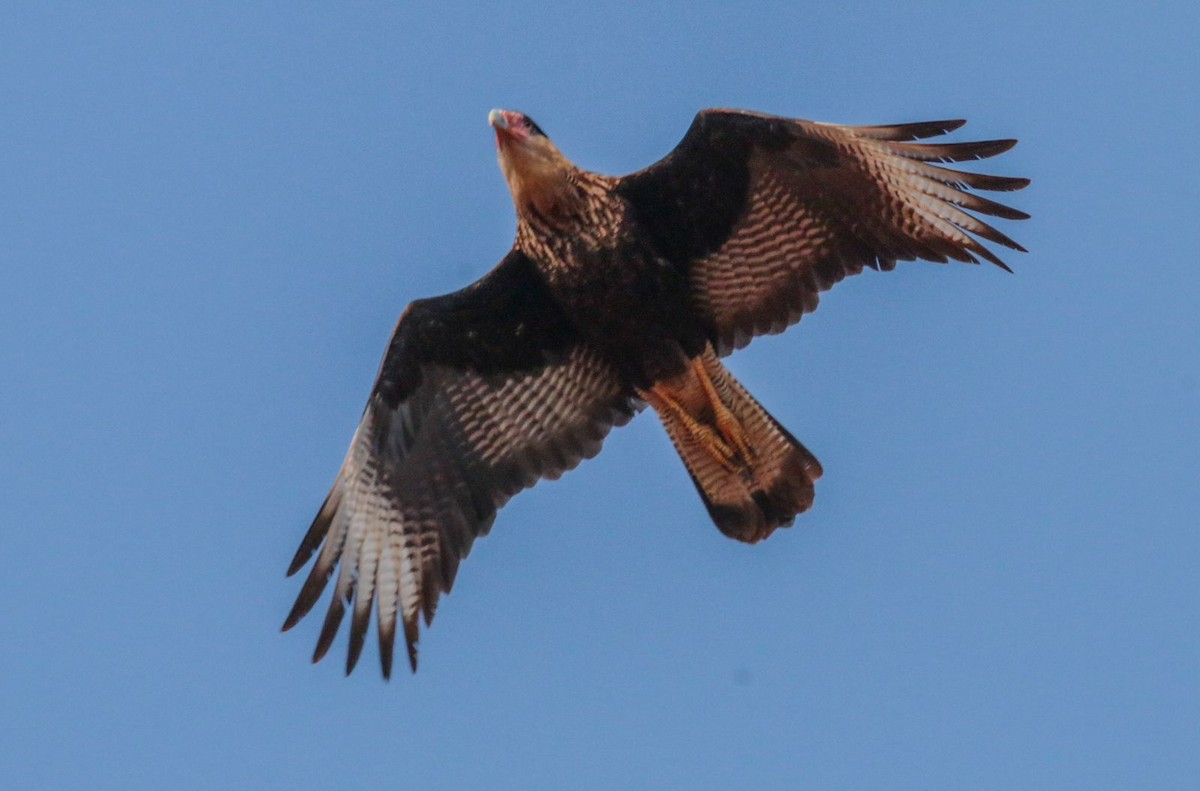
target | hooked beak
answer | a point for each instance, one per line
(507, 125)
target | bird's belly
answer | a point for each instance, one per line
(636, 309)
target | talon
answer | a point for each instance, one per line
(729, 425)
(725, 455)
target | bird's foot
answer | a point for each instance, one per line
(663, 402)
(727, 423)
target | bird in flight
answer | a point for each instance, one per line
(618, 293)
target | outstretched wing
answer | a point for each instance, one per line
(764, 213)
(481, 393)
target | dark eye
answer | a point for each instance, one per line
(534, 129)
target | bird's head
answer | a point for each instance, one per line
(537, 173)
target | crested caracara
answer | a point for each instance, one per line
(618, 293)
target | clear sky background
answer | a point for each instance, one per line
(210, 218)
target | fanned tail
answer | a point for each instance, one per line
(751, 473)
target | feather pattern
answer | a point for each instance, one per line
(619, 290)
(426, 473)
(800, 205)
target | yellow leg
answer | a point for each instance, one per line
(664, 402)
(729, 425)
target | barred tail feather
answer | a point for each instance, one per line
(748, 494)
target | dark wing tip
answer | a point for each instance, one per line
(998, 183)
(989, 256)
(316, 532)
(411, 636)
(1007, 144)
(333, 620)
(292, 619)
(924, 129)
(301, 557)
(358, 637)
(385, 658)
(1004, 212)
(912, 131)
(959, 152)
(984, 149)
(310, 593)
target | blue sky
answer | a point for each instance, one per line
(211, 217)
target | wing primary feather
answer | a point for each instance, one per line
(952, 232)
(913, 131)
(358, 636)
(329, 629)
(977, 226)
(985, 206)
(385, 608)
(958, 179)
(364, 597)
(429, 596)
(979, 181)
(411, 637)
(317, 530)
(387, 643)
(310, 593)
(952, 152)
(915, 175)
(343, 594)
